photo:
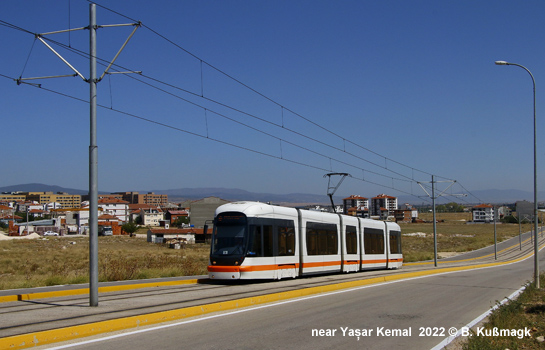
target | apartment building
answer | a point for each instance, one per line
(356, 205)
(151, 217)
(64, 199)
(383, 205)
(148, 198)
(483, 213)
(115, 207)
(8, 197)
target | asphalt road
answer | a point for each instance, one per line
(415, 305)
(414, 313)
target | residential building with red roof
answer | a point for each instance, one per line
(383, 205)
(356, 205)
(115, 207)
(483, 213)
(173, 215)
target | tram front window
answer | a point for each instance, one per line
(229, 240)
(229, 237)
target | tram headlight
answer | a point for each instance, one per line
(236, 262)
(213, 263)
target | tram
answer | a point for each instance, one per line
(253, 240)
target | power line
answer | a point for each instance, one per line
(132, 115)
(266, 97)
(83, 54)
(407, 178)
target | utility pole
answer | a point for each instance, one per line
(93, 148)
(495, 213)
(27, 218)
(93, 160)
(433, 198)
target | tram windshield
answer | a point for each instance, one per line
(229, 234)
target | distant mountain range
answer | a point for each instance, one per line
(238, 194)
(35, 187)
(485, 196)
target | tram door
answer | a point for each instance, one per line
(374, 248)
(284, 240)
(273, 242)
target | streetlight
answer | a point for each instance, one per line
(536, 245)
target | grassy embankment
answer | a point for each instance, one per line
(26, 263)
(453, 235)
(64, 260)
(526, 312)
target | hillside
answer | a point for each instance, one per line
(233, 194)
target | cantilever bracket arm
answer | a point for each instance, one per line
(106, 71)
(39, 37)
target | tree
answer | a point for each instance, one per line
(510, 219)
(129, 227)
(450, 208)
(180, 220)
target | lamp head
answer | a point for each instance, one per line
(502, 63)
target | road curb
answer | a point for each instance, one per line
(106, 289)
(463, 260)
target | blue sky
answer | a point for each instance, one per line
(412, 81)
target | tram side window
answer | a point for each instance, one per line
(267, 240)
(321, 239)
(286, 240)
(255, 242)
(261, 241)
(395, 242)
(373, 240)
(332, 246)
(351, 240)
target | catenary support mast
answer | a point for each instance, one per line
(93, 162)
(93, 148)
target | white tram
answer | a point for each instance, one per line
(253, 240)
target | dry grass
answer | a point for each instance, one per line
(453, 235)
(65, 260)
(526, 312)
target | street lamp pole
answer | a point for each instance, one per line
(536, 245)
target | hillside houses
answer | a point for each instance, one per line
(117, 209)
(71, 215)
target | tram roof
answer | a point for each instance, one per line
(256, 209)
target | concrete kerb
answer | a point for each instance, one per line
(70, 333)
(106, 289)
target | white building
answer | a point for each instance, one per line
(151, 217)
(483, 213)
(23, 207)
(159, 235)
(77, 216)
(52, 205)
(115, 207)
